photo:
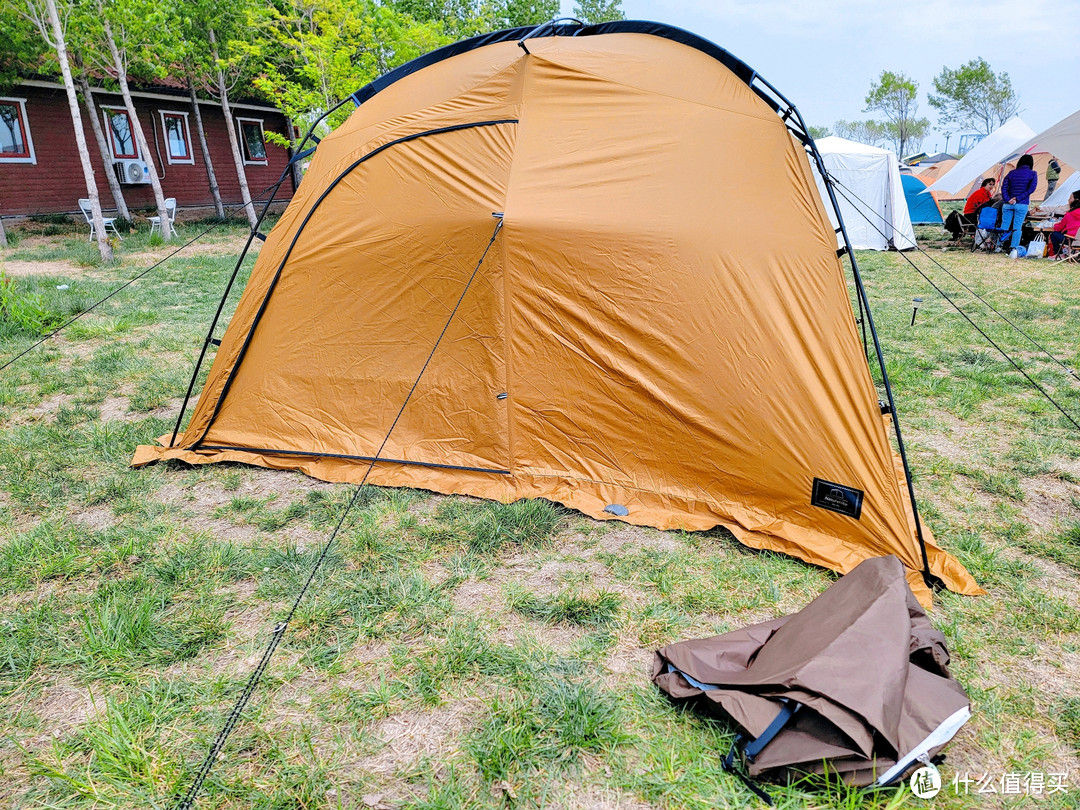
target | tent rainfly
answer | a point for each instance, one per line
(995, 147)
(654, 324)
(923, 209)
(870, 193)
(1064, 190)
(1061, 140)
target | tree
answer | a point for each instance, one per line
(598, 11)
(99, 136)
(895, 96)
(323, 51)
(46, 17)
(204, 147)
(115, 33)
(516, 13)
(820, 132)
(974, 97)
(21, 47)
(872, 133)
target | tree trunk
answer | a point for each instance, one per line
(3, 234)
(136, 126)
(80, 135)
(210, 176)
(103, 146)
(234, 142)
(297, 172)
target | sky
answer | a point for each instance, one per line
(824, 55)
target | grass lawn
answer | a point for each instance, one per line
(463, 654)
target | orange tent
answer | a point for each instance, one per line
(655, 325)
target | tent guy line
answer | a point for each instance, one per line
(990, 306)
(129, 282)
(988, 339)
(187, 801)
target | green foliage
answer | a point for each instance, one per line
(974, 97)
(868, 132)
(569, 606)
(820, 132)
(598, 11)
(25, 313)
(526, 734)
(895, 96)
(22, 49)
(314, 56)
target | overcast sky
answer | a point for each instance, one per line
(823, 55)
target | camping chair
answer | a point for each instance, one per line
(170, 212)
(967, 230)
(1070, 250)
(988, 235)
(110, 222)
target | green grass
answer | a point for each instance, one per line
(510, 642)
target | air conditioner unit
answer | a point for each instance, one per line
(132, 172)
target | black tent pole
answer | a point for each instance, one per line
(811, 147)
(298, 153)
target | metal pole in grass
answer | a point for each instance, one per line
(915, 309)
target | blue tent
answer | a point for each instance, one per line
(921, 204)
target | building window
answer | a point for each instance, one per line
(177, 137)
(121, 135)
(251, 140)
(15, 143)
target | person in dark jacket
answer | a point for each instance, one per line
(1016, 191)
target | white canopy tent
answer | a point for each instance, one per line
(991, 150)
(1062, 140)
(870, 177)
(1060, 197)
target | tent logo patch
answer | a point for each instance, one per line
(837, 498)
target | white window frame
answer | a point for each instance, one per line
(243, 143)
(190, 159)
(109, 136)
(25, 120)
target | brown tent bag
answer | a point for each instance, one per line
(855, 685)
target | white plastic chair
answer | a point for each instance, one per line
(170, 212)
(110, 222)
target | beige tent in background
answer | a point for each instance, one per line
(998, 172)
(645, 314)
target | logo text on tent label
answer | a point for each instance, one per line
(837, 498)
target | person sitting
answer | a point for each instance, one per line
(1068, 226)
(955, 222)
(1016, 191)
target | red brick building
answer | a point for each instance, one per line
(39, 163)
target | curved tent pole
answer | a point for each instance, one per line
(864, 303)
(299, 153)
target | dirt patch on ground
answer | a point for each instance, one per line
(1049, 502)
(171, 409)
(62, 708)
(18, 268)
(51, 405)
(226, 247)
(116, 409)
(408, 736)
(97, 518)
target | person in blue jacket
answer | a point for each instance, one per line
(1016, 191)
